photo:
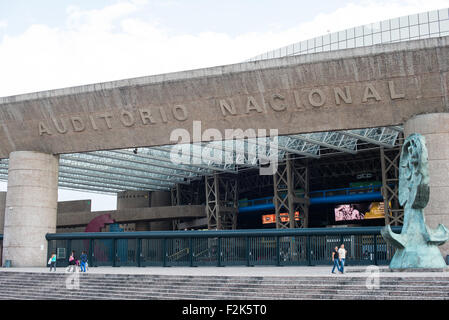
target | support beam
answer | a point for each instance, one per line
(304, 137)
(31, 206)
(221, 202)
(367, 136)
(286, 180)
(389, 159)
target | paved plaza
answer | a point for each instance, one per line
(262, 271)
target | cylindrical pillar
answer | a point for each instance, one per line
(435, 128)
(2, 210)
(31, 206)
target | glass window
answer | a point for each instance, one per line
(423, 29)
(376, 27)
(310, 44)
(367, 29)
(359, 31)
(368, 40)
(433, 16)
(319, 41)
(342, 36)
(377, 38)
(359, 42)
(444, 33)
(386, 36)
(319, 49)
(292, 49)
(443, 14)
(326, 39)
(395, 35)
(303, 45)
(413, 19)
(350, 43)
(350, 33)
(385, 25)
(444, 25)
(403, 21)
(433, 27)
(414, 31)
(334, 46)
(326, 47)
(342, 45)
(334, 37)
(423, 17)
(404, 33)
(394, 23)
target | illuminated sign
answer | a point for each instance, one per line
(271, 218)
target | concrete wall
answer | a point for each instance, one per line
(373, 86)
(133, 199)
(133, 215)
(160, 198)
(74, 206)
(435, 128)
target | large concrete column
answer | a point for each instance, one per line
(435, 128)
(2, 210)
(31, 206)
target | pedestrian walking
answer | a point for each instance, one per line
(52, 261)
(72, 262)
(342, 256)
(83, 263)
(336, 260)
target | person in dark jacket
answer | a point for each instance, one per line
(336, 260)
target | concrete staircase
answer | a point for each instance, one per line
(33, 285)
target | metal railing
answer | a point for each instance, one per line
(277, 247)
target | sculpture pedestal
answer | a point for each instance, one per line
(412, 258)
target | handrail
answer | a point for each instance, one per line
(218, 233)
(178, 255)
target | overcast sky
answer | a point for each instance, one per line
(49, 44)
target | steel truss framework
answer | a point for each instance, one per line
(394, 212)
(221, 202)
(159, 168)
(289, 178)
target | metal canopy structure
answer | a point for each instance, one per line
(153, 168)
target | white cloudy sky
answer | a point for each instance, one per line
(50, 44)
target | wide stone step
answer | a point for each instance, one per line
(280, 280)
(22, 285)
(193, 295)
(227, 286)
(88, 292)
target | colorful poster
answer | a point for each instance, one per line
(359, 211)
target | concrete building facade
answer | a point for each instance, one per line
(405, 83)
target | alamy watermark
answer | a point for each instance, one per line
(256, 146)
(372, 281)
(72, 281)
